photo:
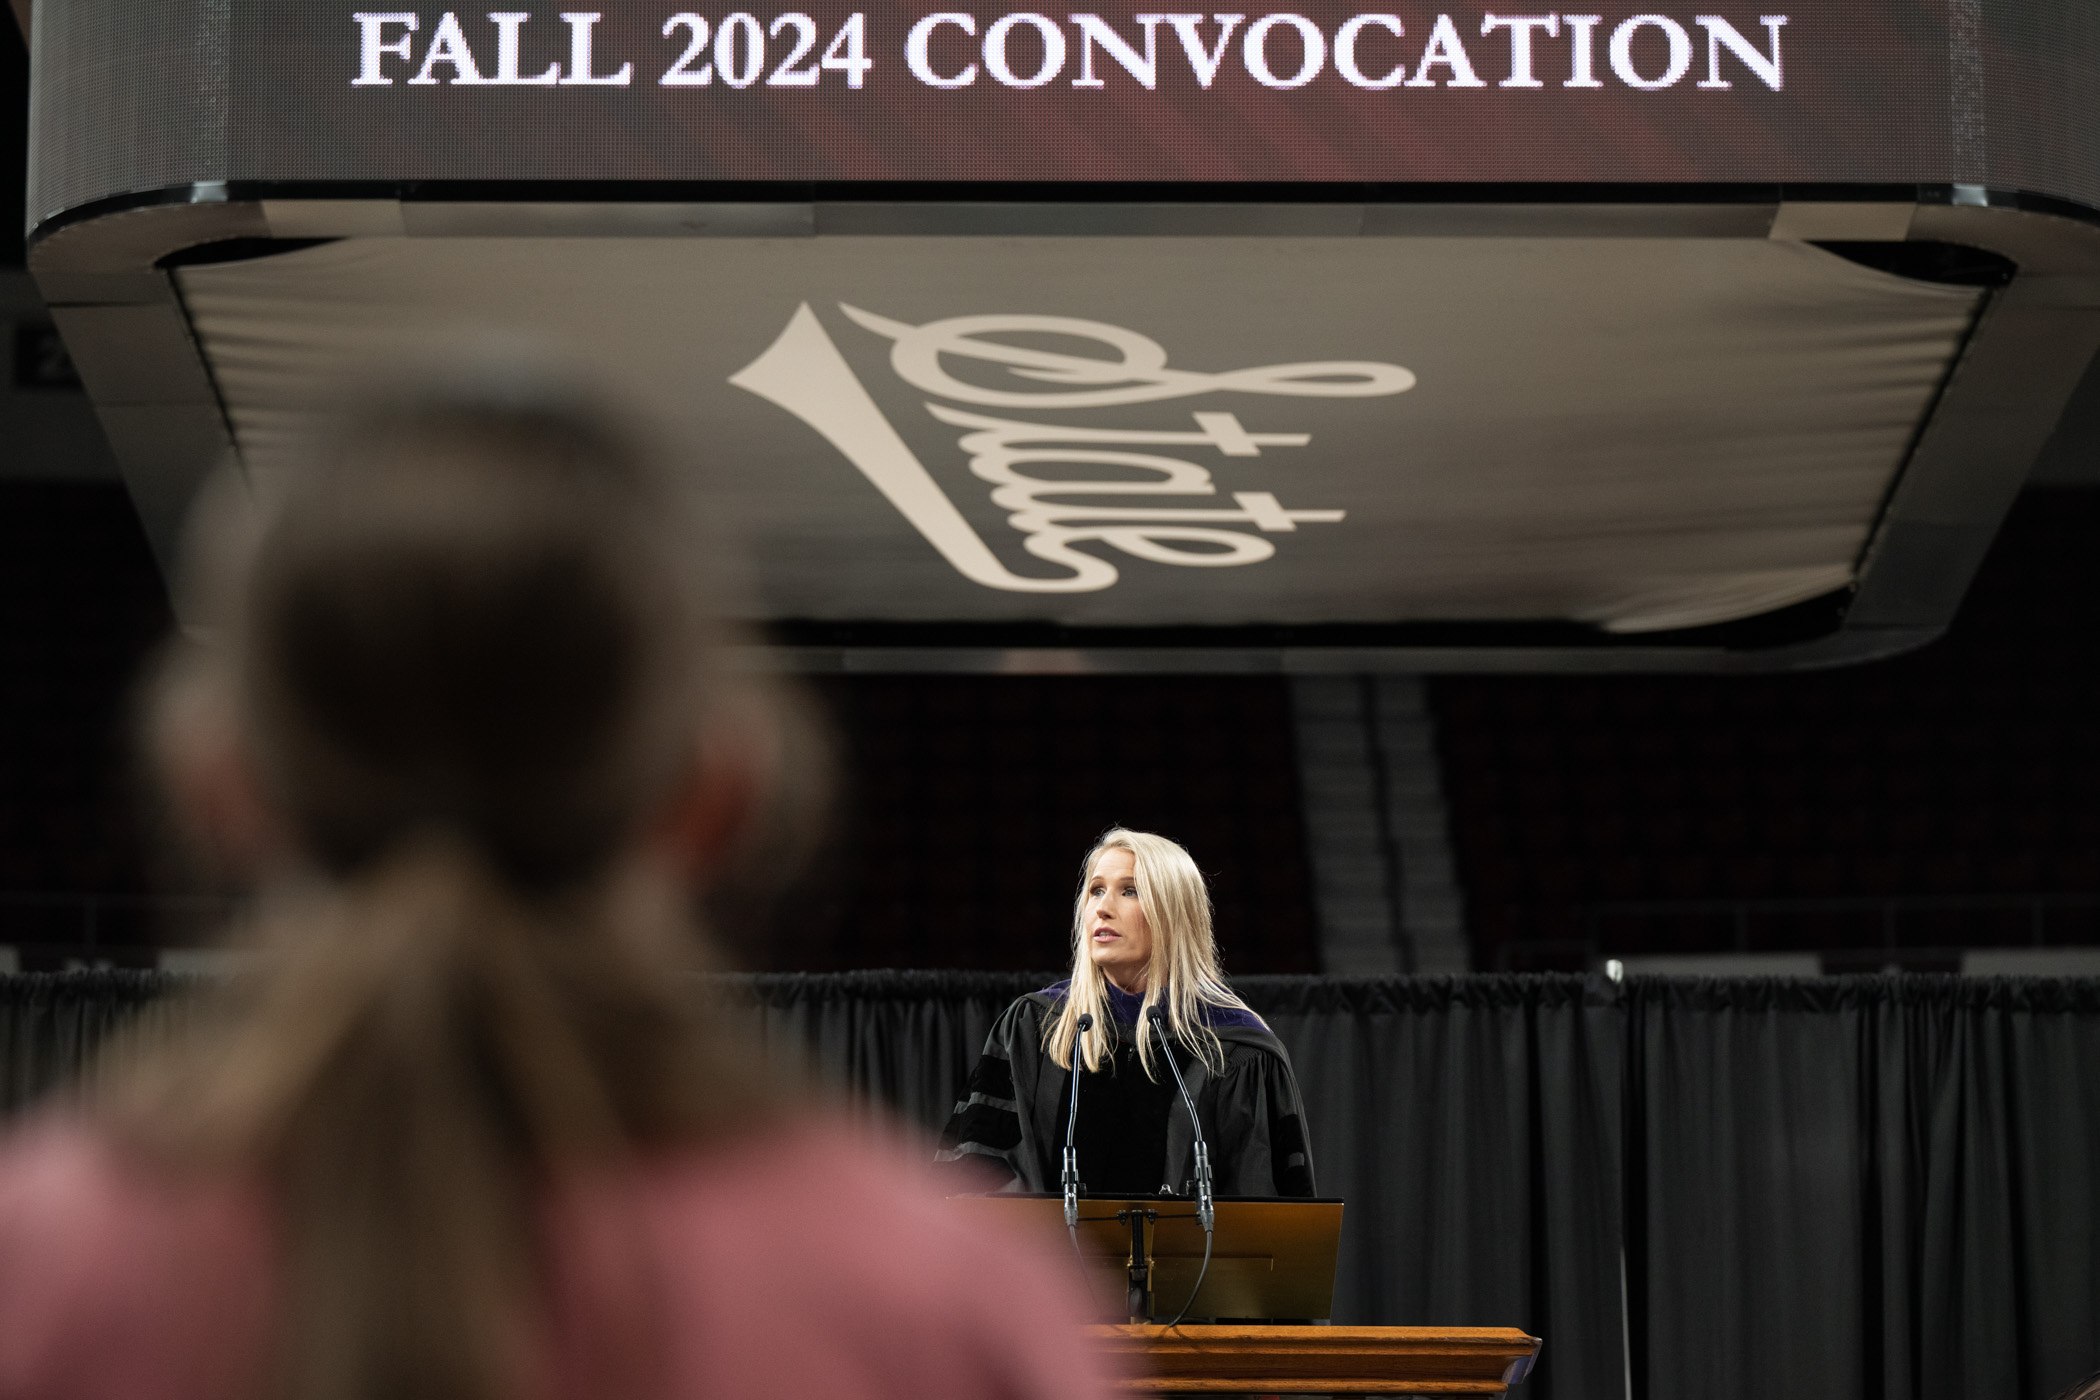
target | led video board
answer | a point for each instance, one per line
(136, 97)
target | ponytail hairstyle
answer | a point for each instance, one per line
(1184, 975)
(467, 656)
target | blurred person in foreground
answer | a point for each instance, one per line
(468, 1132)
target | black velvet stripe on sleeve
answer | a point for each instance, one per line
(1292, 1163)
(992, 1078)
(982, 1125)
(986, 1120)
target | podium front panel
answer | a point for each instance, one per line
(1273, 1257)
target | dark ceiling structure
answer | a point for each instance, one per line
(1327, 340)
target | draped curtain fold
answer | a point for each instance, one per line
(1872, 1187)
(1842, 1188)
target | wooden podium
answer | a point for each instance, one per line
(1272, 1258)
(1254, 1359)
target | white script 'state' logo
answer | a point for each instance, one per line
(805, 374)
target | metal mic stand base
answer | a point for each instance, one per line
(1140, 1261)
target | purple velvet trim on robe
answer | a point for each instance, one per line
(1124, 1007)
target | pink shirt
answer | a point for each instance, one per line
(799, 1262)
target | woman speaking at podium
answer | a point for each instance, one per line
(1145, 983)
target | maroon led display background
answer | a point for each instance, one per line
(1828, 91)
(1327, 92)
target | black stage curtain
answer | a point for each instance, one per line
(1842, 1188)
(1864, 1187)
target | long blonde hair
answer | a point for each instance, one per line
(469, 660)
(1183, 975)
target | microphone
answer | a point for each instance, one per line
(1206, 1210)
(1072, 1184)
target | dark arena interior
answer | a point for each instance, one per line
(1637, 727)
(1905, 815)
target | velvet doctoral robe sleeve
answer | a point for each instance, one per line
(1259, 1147)
(1006, 1130)
(994, 1138)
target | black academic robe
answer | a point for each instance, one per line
(1008, 1132)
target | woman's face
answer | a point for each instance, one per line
(1117, 937)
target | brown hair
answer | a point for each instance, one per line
(2087, 1389)
(467, 655)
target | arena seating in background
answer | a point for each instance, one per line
(1898, 812)
(972, 799)
(969, 800)
(81, 604)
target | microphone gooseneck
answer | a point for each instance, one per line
(1072, 1184)
(1206, 1210)
(1206, 1207)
